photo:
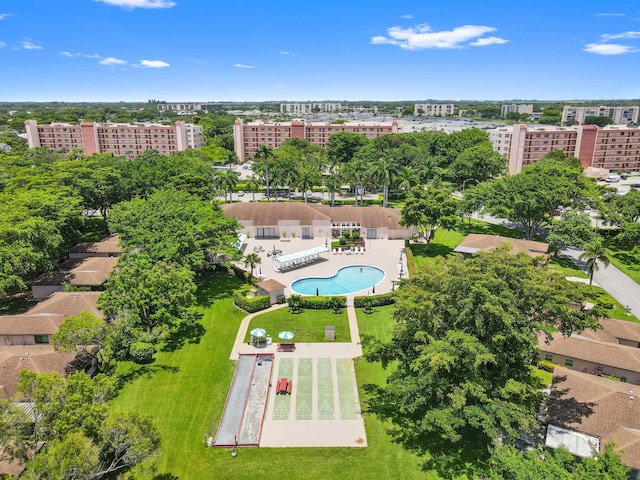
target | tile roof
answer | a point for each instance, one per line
(600, 407)
(269, 213)
(476, 241)
(601, 353)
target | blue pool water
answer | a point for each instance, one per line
(351, 279)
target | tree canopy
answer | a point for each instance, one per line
(463, 352)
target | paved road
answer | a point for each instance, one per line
(616, 283)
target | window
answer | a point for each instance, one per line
(568, 362)
(548, 357)
(41, 338)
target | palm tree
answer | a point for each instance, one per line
(355, 173)
(595, 252)
(228, 180)
(307, 179)
(384, 169)
(407, 178)
(333, 182)
(253, 184)
(252, 260)
(265, 153)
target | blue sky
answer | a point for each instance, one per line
(251, 50)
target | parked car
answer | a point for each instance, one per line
(240, 193)
(635, 185)
(613, 178)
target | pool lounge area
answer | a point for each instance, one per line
(347, 280)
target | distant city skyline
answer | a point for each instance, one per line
(181, 50)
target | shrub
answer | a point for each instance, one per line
(356, 235)
(546, 365)
(142, 352)
(346, 234)
(606, 304)
(374, 300)
(281, 299)
(295, 303)
(411, 263)
(320, 302)
(343, 241)
(337, 304)
(251, 305)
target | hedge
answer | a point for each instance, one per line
(251, 305)
(546, 365)
(319, 302)
(353, 202)
(411, 263)
(376, 300)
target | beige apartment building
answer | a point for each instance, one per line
(614, 147)
(128, 140)
(249, 136)
(307, 108)
(522, 109)
(619, 115)
(434, 109)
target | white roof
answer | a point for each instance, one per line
(579, 444)
(303, 254)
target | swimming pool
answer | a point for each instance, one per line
(351, 279)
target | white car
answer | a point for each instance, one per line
(240, 193)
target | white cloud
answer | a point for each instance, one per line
(240, 65)
(69, 54)
(483, 42)
(92, 56)
(153, 64)
(4, 15)
(112, 61)
(407, 16)
(608, 48)
(617, 36)
(289, 53)
(422, 37)
(27, 44)
(131, 4)
(2, 44)
(609, 15)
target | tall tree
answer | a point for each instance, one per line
(264, 154)
(154, 297)
(384, 170)
(572, 229)
(252, 260)
(480, 163)
(464, 351)
(429, 208)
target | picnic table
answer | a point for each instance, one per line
(283, 386)
(286, 347)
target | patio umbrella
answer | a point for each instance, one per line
(258, 332)
(285, 335)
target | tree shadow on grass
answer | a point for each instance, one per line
(146, 371)
(187, 332)
(214, 286)
(432, 251)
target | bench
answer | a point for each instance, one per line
(286, 347)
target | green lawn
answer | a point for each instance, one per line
(185, 390)
(567, 267)
(628, 262)
(307, 326)
(619, 312)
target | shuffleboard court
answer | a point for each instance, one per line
(282, 403)
(326, 409)
(304, 389)
(346, 389)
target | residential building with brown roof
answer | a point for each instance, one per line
(475, 242)
(616, 331)
(109, 247)
(308, 221)
(91, 272)
(596, 406)
(591, 356)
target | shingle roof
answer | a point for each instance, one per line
(46, 362)
(91, 271)
(476, 241)
(601, 353)
(268, 214)
(40, 324)
(612, 330)
(109, 246)
(600, 407)
(270, 285)
(68, 304)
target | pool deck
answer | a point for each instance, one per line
(384, 254)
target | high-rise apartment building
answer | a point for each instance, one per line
(619, 115)
(248, 137)
(128, 140)
(522, 109)
(434, 109)
(614, 147)
(308, 108)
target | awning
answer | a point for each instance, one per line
(303, 255)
